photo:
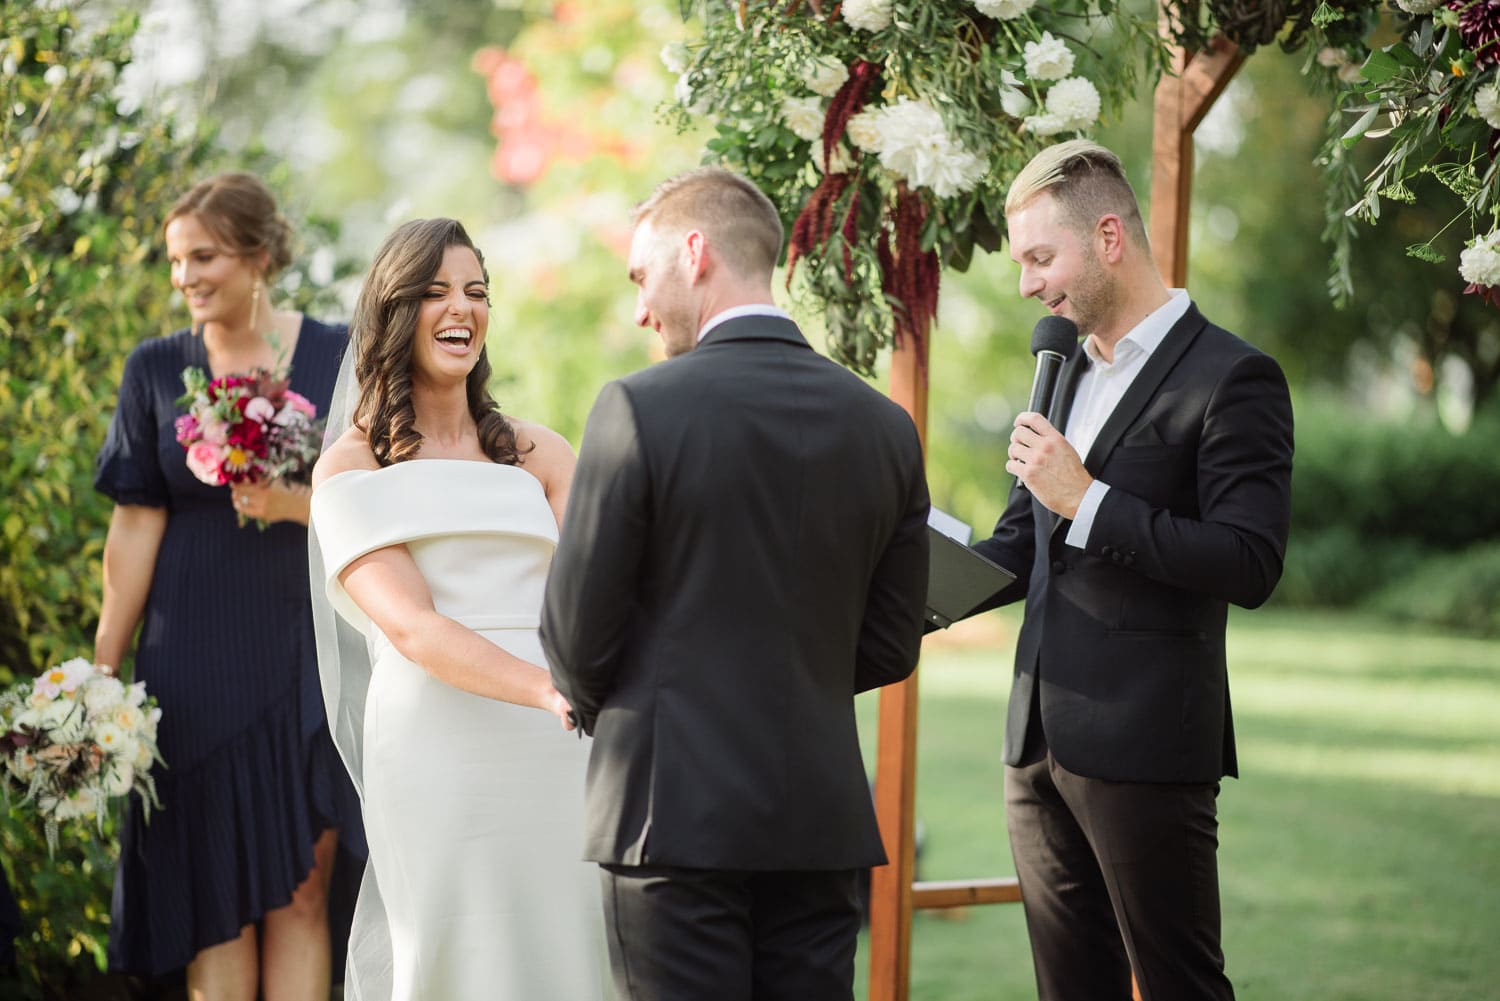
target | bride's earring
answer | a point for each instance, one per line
(255, 302)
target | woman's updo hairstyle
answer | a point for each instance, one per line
(240, 211)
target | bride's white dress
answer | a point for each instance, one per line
(473, 807)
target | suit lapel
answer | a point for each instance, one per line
(1143, 388)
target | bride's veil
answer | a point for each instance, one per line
(344, 670)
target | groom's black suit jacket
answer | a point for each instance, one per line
(744, 549)
(1127, 635)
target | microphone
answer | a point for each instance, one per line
(1054, 339)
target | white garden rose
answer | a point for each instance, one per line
(863, 130)
(1487, 103)
(827, 78)
(1074, 100)
(1003, 10)
(804, 116)
(1480, 263)
(129, 718)
(674, 56)
(102, 694)
(1048, 59)
(1016, 102)
(867, 15)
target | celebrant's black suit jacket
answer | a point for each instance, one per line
(1127, 635)
(744, 549)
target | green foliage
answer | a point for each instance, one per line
(1455, 590)
(64, 902)
(1380, 511)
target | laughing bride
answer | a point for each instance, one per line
(435, 518)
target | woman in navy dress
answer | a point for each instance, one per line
(231, 878)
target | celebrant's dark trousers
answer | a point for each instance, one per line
(1116, 876)
(709, 935)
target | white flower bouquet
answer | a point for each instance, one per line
(74, 738)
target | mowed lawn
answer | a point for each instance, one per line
(1360, 849)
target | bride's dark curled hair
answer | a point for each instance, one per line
(385, 329)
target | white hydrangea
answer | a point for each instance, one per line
(867, 15)
(1048, 59)
(827, 78)
(863, 130)
(674, 56)
(1003, 10)
(1487, 103)
(1045, 124)
(1480, 263)
(804, 116)
(914, 144)
(1074, 100)
(1016, 102)
(1419, 6)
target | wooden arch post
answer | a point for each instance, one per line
(1182, 100)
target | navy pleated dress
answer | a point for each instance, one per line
(226, 646)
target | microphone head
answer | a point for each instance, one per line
(1057, 334)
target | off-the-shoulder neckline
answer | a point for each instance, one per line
(413, 462)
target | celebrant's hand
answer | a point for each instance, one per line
(273, 501)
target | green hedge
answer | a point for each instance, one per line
(1383, 513)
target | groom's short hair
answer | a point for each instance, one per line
(739, 220)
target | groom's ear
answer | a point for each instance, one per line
(695, 255)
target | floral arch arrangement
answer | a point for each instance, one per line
(887, 131)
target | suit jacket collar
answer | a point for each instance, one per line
(1143, 388)
(754, 328)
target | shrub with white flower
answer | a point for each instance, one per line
(886, 133)
(74, 738)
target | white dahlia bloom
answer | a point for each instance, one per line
(867, 15)
(1075, 101)
(1003, 10)
(804, 116)
(1048, 59)
(1480, 263)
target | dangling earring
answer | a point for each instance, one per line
(254, 302)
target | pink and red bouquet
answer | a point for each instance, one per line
(247, 428)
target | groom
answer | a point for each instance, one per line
(744, 550)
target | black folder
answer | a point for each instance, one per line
(959, 580)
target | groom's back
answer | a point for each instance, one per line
(783, 569)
